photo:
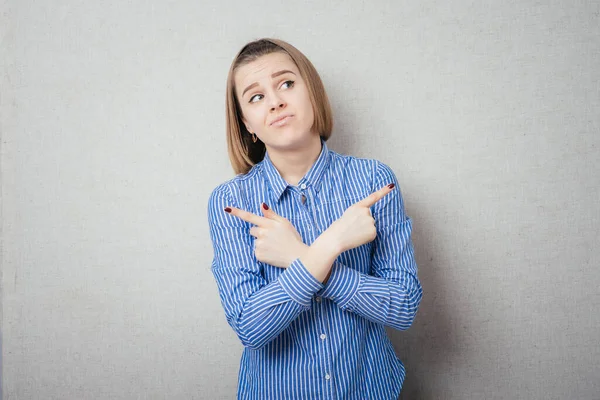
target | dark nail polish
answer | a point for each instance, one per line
(265, 206)
(227, 210)
(391, 185)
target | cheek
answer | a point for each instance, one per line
(308, 112)
(304, 102)
(252, 116)
(307, 99)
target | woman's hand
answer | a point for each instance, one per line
(357, 226)
(277, 241)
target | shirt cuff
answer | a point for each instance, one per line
(342, 284)
(299, 284)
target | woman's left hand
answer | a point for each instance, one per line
(277, 241)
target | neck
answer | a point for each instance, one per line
(294, 164)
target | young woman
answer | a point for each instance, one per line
(312, 249)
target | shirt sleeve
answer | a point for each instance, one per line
(257, 310)
(390, 294)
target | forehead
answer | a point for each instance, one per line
(262, 68)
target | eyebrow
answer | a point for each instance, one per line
(274, 75)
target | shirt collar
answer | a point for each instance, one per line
(311, 179)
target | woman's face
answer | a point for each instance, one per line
(275, 102)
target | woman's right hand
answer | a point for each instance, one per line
(356, 226)
(277, 241)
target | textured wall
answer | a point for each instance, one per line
(112, 124)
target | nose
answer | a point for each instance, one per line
(281, 105)
(277, 102)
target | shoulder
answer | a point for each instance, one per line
(368, 170)
(234, 189)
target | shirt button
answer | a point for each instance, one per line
(328, 377)
(323, 336)
(318, 299)
(303, 186)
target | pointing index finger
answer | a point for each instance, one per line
(374, 197)
(246, 216)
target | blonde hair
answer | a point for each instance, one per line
(243, 153)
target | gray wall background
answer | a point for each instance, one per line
(112, 124)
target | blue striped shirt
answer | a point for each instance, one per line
(304, 339)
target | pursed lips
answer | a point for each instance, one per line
(281, 118)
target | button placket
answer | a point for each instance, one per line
(303, 200)
(311, 206)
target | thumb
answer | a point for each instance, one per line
(268, 212)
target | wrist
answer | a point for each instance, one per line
(331, 239)
(299, 251)
(319, 258)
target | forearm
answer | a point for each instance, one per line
(259, 314)
(265, 315)
(270, 310)
(392, 302)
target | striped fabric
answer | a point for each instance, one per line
(303, 339)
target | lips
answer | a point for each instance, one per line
(279, 120)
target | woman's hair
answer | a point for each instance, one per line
(243, 153)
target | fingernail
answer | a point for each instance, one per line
(265, 206)
(391, 185)
(227, 210)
